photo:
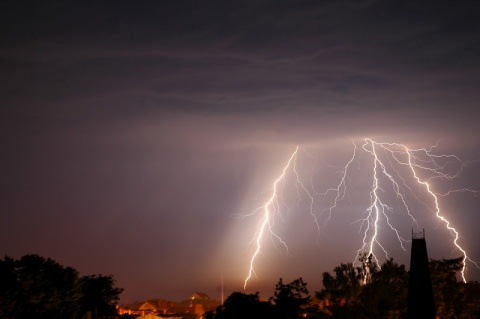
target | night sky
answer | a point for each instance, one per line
(136, 135)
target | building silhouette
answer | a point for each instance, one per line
(420, 293)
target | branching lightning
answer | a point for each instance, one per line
(271, 209)
(396, 170)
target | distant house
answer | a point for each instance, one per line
(197, 304)
(150, 306)
(200, 296)
(149, 316)
(152, 316)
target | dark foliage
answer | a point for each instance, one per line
(344, 287)
(367, 291)
(449, 294)
(39, 288)
(381, 292)
(99, 295)
(239, 305)
(385, 296)
(34, 287)
(291, 300)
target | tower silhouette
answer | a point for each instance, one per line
(420, 293)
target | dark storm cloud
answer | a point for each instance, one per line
(202, 55)
(140, 128)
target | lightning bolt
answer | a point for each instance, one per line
(394, 167)
(270, 207)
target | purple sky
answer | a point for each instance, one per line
(133, 133)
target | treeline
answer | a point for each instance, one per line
(37, 288)
(358, 292)
(289, 301)
(370, 291)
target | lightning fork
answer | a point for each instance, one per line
(390, 162)
(269, 208)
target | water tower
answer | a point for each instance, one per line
(420, 293)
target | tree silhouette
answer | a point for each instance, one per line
(343, 289)
(291, 300)
(449, 294)
(385, 296)
(239, 306)
(100, 295)
(35, 287)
